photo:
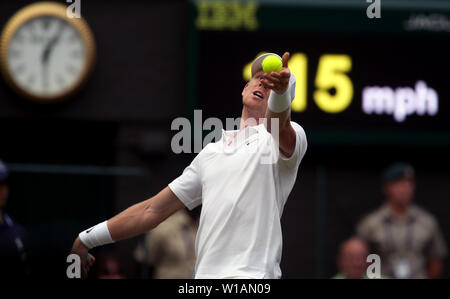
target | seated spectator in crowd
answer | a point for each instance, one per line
(169, 249)
(406, 237)
(351, 260)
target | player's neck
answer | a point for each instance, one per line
(251, 117)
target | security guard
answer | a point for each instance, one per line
(406, 237)
(13, 257)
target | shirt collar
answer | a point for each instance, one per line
(250, 128)
(387, 213)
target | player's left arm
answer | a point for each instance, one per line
(279, 83)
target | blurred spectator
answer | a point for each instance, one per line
(109, 266)
(351, 260)
(406, 237)
(13, 256)
(169, 249)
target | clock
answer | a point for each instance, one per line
(46, 56)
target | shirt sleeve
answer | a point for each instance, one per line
(301, 145)
(363, 230)
(188, 186)
(438, 248)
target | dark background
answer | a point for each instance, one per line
(153, 66)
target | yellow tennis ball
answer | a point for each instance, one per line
(271, 63)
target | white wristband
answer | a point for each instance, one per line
(96, 236)
(280, 102)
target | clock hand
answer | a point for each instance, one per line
(45, 77)
(46, 54)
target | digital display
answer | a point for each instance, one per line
(384, 86)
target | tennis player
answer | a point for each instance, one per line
(242, 195)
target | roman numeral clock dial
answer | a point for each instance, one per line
(46, 56)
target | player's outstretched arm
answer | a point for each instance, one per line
(144, 216)
(133, 221)
(279, 106)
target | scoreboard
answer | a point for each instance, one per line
(359, 80)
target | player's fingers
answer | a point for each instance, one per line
(270, 83)
(276, 75)
(285, 59)
(84, 272)
(89, 263)
(283, 79)
(267, 84)
(285, 73)
(90, 257)
(272, 79)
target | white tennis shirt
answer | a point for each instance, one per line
(243, 184)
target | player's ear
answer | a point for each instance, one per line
(244, 89)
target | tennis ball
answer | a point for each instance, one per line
(271, 63)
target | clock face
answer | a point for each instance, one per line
(46, 56)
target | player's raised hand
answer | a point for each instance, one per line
(86, 259)
(279, 82)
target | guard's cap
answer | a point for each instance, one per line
(398, 171)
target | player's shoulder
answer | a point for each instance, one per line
(210, 150)
(212, 147)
